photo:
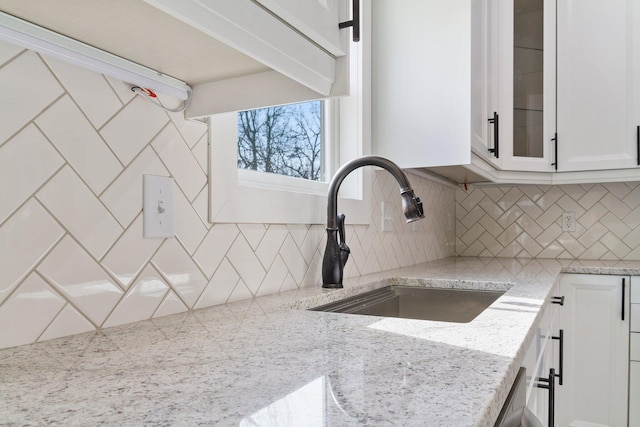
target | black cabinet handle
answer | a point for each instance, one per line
(560, 338)
(496, 135)
(557, 300)
(623, 289)
(549, 384)
(555, 156)
(638, 143)
(355, 20)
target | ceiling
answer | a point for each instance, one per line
(134, 30)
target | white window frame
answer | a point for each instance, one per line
(244, 196)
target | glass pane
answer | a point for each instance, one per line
(528, 63)
(283, 140)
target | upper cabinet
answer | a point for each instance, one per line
(299, 40)
(598, 84)
(234, 54)
(421, 81)
(513, 114)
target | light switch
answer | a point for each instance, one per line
(157, 206)
(387, 216)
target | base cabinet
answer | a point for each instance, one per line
(634, 355)
(542, 356)
(595, 320)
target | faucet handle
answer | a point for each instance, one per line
(341, 218)
(344, 249)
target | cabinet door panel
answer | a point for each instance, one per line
(595, 84)
(596, 351)
(317, 19)
(634, 394)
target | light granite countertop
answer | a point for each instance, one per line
(270, 362)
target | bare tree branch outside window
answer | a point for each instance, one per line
(284, 140)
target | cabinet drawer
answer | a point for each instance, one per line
(635, 289)
(634, 393)
(634, 346)
(635, 318)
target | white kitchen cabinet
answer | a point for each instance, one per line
(298, 39)
(543, 355)
(634, 355)
(596, 350)
(598, 84)
(515, 130)
(634, 394)
(421, 76)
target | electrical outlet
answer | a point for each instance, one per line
(568, 221)
(157, 206)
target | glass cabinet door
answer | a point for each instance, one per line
(528, 82)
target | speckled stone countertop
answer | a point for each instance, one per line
(270, 362)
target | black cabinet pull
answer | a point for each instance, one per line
(549, 384)
(496, 135)
(560, 338)
(623, 289)
(638, 143)
(355, 20)
(555, 156)
(557, 300)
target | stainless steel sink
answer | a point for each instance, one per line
(446, 305)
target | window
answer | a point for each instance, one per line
(240, 188)
(284, 140)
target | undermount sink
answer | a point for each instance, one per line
(445, 305)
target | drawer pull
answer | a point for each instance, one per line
(557, 300)
(560, 338)
(549, 384)
(623, 289)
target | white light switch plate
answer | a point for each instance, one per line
(387, 216)
(157, 206)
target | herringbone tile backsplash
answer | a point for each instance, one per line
(74, 147)
(526, 221)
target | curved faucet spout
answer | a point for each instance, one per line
(335, 255)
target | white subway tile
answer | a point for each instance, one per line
(130, 254)
(141, 300)
(81, 280)
(133, 128)
(271, 244)
(26, 162)
(192, 131)
(220, 286)
(180, 271)
(170, 305)
(68, 129)
(27, 87)
(294, 260)
(188, 226)
(75, 206)
(89, 89)
(28, 312)
(8, 51)
(246, 264)
(176, 155)
(124, 195)
(275, 278)
(253, 233)
(215, 246)
(24, 239)
(68, 322)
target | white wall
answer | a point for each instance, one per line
(73, 148)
